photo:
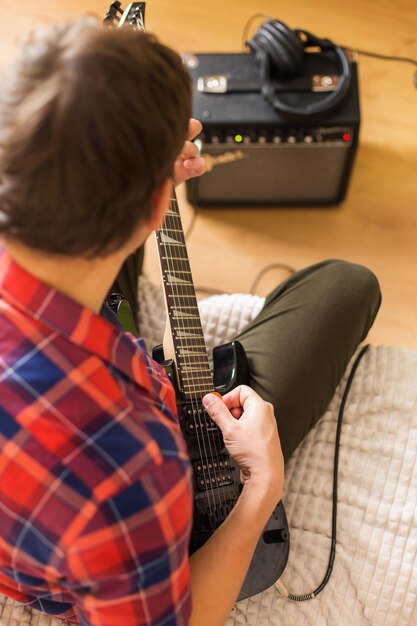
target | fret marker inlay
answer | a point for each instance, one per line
(188, 316)
(170, 240)
(172, 279)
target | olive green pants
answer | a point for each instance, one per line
(300, 344)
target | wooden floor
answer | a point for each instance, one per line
(376, 225)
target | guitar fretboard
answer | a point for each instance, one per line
(191, 358)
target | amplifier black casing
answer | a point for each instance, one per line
(311, 164)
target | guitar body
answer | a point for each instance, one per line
(271, 554)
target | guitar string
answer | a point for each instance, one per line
(219, 489)
(210, 436)
(174, 206)
(141, 26)
(195, 401)
(180, 325)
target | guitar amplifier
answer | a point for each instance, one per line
(255, 156)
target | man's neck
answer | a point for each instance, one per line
(85, 281)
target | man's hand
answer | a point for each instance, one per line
(188, 164)
(250, 435)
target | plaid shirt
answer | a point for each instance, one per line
(95, 488)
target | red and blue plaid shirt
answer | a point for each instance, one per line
(95, 488)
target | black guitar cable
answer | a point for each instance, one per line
(279, 584)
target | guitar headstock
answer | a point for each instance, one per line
(133, 16)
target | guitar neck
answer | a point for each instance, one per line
(188, 348)
(186, 344)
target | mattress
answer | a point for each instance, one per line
(374, 579)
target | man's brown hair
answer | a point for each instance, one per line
(91, 121)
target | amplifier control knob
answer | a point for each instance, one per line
(231, 135)
(263, 136)
(249, 136)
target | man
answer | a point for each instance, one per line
(95, 492)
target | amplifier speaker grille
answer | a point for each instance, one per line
(261, 174)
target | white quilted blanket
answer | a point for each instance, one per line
(374, 580)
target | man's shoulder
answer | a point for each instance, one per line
(89, 429)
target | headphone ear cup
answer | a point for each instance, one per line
(288, 46)
(281, 45)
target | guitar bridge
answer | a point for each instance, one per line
(211, 519)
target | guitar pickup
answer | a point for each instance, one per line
(198, 422)
(201, 427)
(212, 465)
(204, 483)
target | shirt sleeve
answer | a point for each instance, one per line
(130, 564)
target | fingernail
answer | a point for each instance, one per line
(208, 399)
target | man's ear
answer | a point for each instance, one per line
(160, 203)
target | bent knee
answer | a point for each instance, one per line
(352, 279)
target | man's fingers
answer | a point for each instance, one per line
(218, 411)
(194, 128)
(241, 396)
(189, 150)
(196, 166)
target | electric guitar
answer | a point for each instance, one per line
(216, 477)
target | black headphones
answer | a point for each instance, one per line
(280, 52)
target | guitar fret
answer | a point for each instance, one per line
(204, 387)
(186, 284)
(172, 230)
(199, 384)
(187, 328)
(202, 384)
(186, 306)
(190, 349)
(200, 363)
(179, 318)
(186, 339)
(201, 381)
